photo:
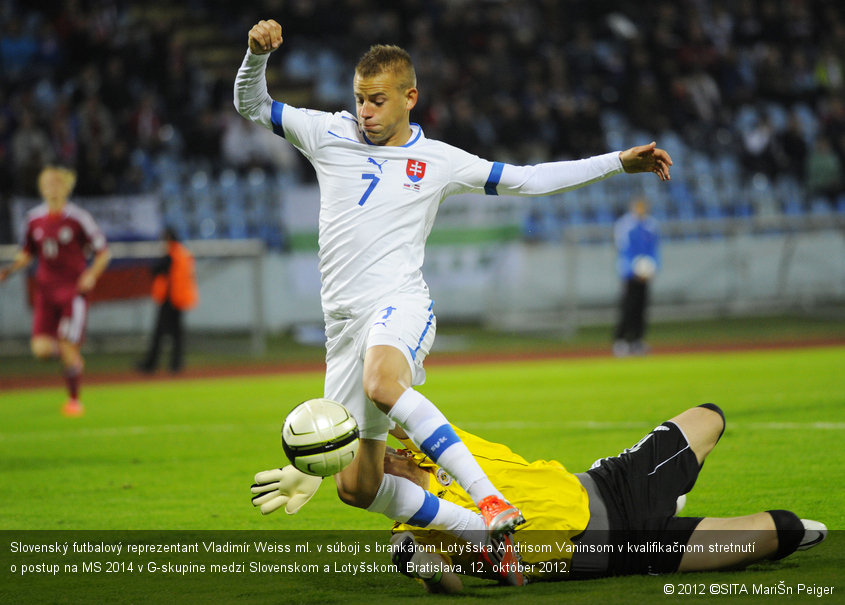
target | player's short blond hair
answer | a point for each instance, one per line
(68, 175)
(388, 58)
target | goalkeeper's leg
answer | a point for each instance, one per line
(735, 542)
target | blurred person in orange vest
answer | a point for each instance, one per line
(175, 291)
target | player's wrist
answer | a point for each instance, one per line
(257, 56)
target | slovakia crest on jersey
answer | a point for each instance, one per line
(415, 170)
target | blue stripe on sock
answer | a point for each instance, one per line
(427, 511)
(439, 441)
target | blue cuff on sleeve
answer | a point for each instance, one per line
(276, 118)
(494, 178)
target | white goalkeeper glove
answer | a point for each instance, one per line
(286, 487)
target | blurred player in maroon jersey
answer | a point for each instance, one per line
(61, 235)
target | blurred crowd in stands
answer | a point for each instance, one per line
(120, 90)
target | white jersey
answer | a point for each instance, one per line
(377, 202)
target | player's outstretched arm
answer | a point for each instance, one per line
(647, 158)
(549, 178)
(251, 97)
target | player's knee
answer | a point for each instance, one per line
(717, 419)
(41, 354)
(386, 376)
(71, 358)
(372, 385)
(379, 390)
(42, 349)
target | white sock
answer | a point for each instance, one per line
(402, 500)
(431, 432)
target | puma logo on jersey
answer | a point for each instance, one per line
(372, 161)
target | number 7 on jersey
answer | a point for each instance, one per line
(375, 180)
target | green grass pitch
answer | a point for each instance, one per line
(180, 455)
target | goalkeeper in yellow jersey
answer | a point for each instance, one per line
(617, 518)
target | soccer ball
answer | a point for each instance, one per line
(644, 267)
(319, 437)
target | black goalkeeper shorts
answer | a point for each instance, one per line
(640, 488)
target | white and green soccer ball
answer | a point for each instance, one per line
(319, 437)
(644, 266)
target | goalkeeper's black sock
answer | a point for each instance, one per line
(790, 532)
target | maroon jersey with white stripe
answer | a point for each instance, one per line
(61, 243)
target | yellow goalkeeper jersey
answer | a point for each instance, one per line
(552, 500)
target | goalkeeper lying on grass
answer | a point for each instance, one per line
(618, 518)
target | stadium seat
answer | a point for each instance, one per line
(207, 228)
(228, 182)
(236, 228)
(728, 167)
(789, 195)
(599, 200)
(819, 206)
(202, 205)
(742, 208)
(659, 208)
(793, 206)
(613, 120)
(746, 118)
(576, 216)
(809, 122)
(778, 116)
(672, 141)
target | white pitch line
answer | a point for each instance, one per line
(795, 426)
(128, 431)
(574, 424)
(604, 426)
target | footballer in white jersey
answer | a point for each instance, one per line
(381, 183)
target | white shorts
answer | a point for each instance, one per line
(404, 322)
